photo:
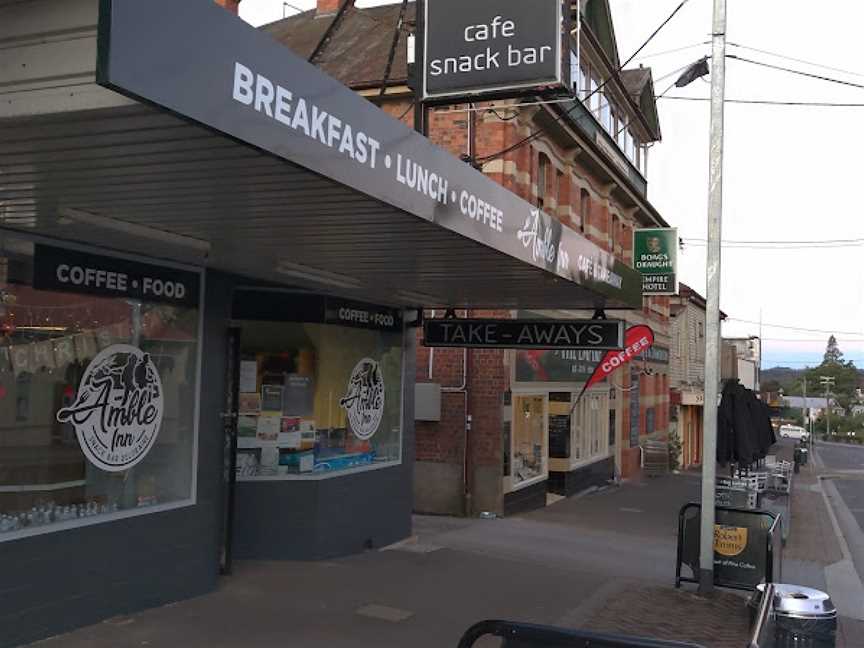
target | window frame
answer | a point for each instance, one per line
(192, 500)
(510, 485)
(335, 474)
(543, 166)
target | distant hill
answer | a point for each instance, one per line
(787, 377)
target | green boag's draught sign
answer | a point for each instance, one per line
(655, 257)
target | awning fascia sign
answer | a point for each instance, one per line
(524, 334)
(206, 65)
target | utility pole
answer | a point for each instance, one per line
(712, 311)
(805, 408)
(828, 384)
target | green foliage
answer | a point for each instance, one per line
(845, 376)
(841, 426)
(674, 449)
(833, 355)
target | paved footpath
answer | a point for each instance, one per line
(604, 561)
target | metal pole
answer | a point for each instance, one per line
(805, 412)
(827, 410)
(712, 326)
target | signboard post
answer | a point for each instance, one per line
(524, 334)
(493, 48)
(655, 257)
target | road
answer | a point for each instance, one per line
(838, 456)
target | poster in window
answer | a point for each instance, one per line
(248, 376)
(271, 398)
(268, 428)
(299, 396)
(250, 403)
(290, 434)
(247, 426)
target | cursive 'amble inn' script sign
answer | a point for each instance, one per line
(118, 409)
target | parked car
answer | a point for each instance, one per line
(793, 432)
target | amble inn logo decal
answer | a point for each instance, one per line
(118, 410)
(364, 401)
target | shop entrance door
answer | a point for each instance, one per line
(229, 426)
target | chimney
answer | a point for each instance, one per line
(231, 5)
(327, 7)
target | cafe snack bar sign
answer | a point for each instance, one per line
(492, 47)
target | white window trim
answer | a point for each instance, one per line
(606, 449)
(78, 523)
(515, 487)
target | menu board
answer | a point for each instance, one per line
(299, 396)
(559, 436)
(271, 398)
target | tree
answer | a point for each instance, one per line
(833, 355)
(845, 376)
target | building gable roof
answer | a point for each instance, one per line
(358, 49)
(598, 16)
(639, 84)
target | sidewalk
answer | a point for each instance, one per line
(603, 562)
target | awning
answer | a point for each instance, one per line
(273, 170)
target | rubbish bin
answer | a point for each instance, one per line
(805, 453)
(803, 618)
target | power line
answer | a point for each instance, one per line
(844, 340)
(672, 51)
(853, 240)
(796, 60)
(766, 102)
(795, 328)
(830, 244)
(814, 362)
(780, 248)
(534, 135)
(791, 71)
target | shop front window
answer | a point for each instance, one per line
(317, 399)
(591, 427)
(528, 438)
(98, 393)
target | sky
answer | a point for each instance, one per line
(790, 173)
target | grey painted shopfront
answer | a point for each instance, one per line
(149, 206)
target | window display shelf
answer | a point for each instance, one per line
(39, 488)
(321, 474)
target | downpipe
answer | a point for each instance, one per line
(467, 505)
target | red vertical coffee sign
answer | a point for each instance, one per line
(637, 340)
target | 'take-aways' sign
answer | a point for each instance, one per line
(491, 46)
(524, 334)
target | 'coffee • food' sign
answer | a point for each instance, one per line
(524, 334)
(492, 46)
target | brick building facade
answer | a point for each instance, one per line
(502, 441)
